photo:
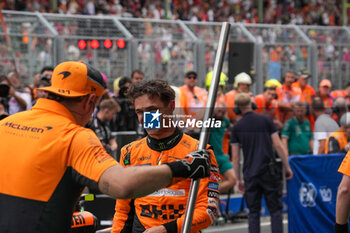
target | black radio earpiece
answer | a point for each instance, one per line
(237, 111)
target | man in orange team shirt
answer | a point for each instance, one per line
(193, 100)
(267, 104)
(323, 92)
(241, 85)
(47, 157)
(307, 91)
(342, 93)
(287, 95)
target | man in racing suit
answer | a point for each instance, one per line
(163, 210)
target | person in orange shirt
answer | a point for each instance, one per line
(266, 103)
(323, 92)
(47, 157)
(193, 100)
(342, 93)
(338, 142)
(307, 93)
(287, 95)
(241, 85)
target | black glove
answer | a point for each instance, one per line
(341, 228)
(195, 165)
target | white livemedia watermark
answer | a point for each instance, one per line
(155, 120)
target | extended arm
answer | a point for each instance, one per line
(342, 208)
(131, 182)
(236, 166)
(322, 146)
(343, 201)
(285, 143)
(137, 181)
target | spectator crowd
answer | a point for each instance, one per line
(305, 116)
(314, 12)
(309, 120)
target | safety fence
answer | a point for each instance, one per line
(167, 49)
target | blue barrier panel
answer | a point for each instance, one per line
(312, 193)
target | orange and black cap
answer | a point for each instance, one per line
(74, 79)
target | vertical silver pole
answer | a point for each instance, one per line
(204, 136)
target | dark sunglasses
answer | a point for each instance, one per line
(191, 77)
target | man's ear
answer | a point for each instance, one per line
(172, 105)
(90, 101)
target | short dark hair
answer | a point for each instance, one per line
(45, 68)
(44, 83)
(300, 104)
(109, 104)
(136, 71)
(123, 81)
(191, 73)
(60, 98)
(152, 88)
(317, 104)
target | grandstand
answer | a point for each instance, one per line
(168, 48)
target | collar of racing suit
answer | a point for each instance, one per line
(165, 143)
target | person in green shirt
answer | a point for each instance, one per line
(296, 133)
(215, 140)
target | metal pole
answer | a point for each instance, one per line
(204, 136)
(344, 11)
(260, 11)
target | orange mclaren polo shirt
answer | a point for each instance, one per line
(46, 160)
(345, 165)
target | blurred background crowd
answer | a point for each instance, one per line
(303, 12)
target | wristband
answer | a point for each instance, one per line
(341, 228)
(171, 227)
(178, 169)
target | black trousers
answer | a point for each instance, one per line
(269, 184)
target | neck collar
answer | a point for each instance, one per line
(165, 143)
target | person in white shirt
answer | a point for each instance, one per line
(324, 126)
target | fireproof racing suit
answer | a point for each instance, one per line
(166, 206)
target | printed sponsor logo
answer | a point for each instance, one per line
(214, 177)
(211, 215)
(77, 220)
(65, 74)
(143, 158)
(307, 195)
(26, 128)
(212, 202)
(212, 209)
(214, 168)
(168, 192)
(164, 212)
(213, 194)
(326, 194)
(213, 186)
